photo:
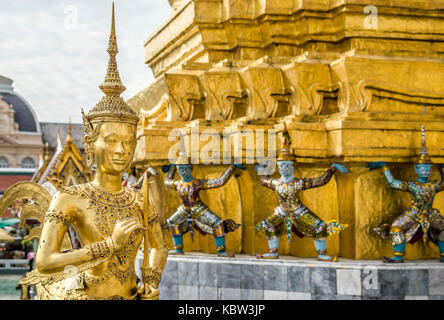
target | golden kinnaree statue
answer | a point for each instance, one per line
(109, 220)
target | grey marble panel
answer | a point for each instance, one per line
(416, 298)
(436, 297)
(208, 293)
(348, 282)
(230, 293)
(348, 297)
(252, 294)
(252, 276)
(298, 295)
(169, 274)
(275, 295)
(168, 292)
(324, 297)
(188, 273)
(230, 276)
(417, 282)
(208, 274)
(298, 279)
(436, 282)
(393, 283)
(275, 278)
(188, 292)
(323, 281)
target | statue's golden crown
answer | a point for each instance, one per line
(111, 107)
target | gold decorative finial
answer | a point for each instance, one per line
(111, 107)
(69, 137)
(47, 152)
(284, 153)
(423, 153)
(59, 142)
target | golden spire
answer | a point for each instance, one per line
(111, 107)
(47, 158)
(59, 142)
(69, 137)
(40, 159)
(112, 86)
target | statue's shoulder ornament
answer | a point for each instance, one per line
(76, 190)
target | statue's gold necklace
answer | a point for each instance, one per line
(109, 207)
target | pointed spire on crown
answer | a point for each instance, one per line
(111, 107)
(423, 153)
(112, 86)
(285, 151)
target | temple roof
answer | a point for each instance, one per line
(67, 164)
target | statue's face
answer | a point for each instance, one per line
(114, 147)
(423, 170)
(286, 168)
(184, 171)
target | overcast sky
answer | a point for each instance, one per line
(54, 50)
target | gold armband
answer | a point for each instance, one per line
(385, 168)
(57, 216)
(100, 249)
(151, 276)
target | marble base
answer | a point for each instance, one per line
(197, 276)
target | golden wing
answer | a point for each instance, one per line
(41, 199)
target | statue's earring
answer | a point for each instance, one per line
(89, 154)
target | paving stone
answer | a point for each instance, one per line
(230, 275)
(298, 279)
(188, 273)
(275, 278)
(252, 276)
(323, 281)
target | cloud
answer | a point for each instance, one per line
(55, 50)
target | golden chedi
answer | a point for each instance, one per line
(110, 220)
(353, 81)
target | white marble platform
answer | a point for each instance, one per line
(196, 276)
